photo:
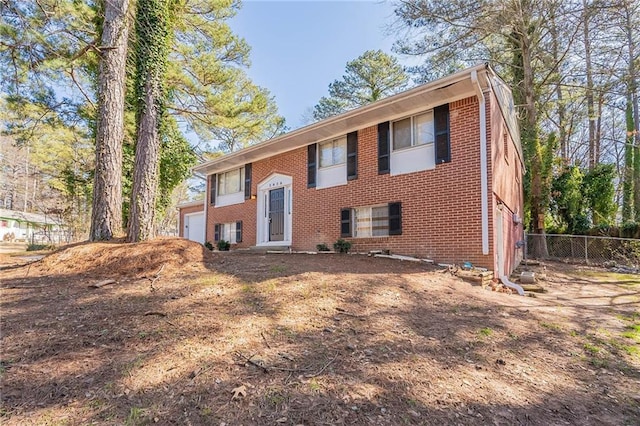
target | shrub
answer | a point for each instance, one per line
(209, 245)
(342, 246)
(38, 247)
(223, 245)
(322, 247)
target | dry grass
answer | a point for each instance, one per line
(301, 339)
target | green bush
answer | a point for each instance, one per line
(38, 247)
(223, 245)
(630, 229)
(322, 247)
(342, 246)
(209, 245)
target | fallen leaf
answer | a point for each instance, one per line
(239, 392)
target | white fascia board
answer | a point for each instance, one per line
(448, 89)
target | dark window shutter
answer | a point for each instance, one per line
(352, 156)
(212, 190)
(247, 181)
(345, 222)
(383, 148)
(239, 231)
(441, 127)
(216, 232)
(311, 165)
(395, 218)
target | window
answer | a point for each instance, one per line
(371, 221)
(333, 152)
(505, 142)
(413, 131)
(230, 182)
(229, 232)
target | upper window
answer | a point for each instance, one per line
(230, 182)
(333, 152)
(413, 131)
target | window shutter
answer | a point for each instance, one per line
(383, 148)
(239, 231)
(311, 165)
(345, 222)
(441, 127)
(247, 181)
(352, 156)
(212, 190)
(395, 218)
(216, 232)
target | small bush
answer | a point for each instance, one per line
(209, 245)
(38, 247)
(223, 245)
(342, 246)
(322, 247)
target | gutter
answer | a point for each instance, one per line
(484, 196)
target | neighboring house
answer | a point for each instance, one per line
(434, 172)
(30, 227)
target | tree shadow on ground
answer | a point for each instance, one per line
(311, 342)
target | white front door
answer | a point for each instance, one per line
(274, 218)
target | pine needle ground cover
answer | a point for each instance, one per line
(186, 336)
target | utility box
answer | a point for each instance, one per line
(528, 277)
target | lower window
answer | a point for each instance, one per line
(229, 232)
(371, 221)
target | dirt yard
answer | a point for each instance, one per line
(185, 336)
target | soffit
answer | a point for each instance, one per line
(449, 89)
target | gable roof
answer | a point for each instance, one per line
(445, 90)
(27, 217)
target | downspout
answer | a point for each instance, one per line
(512, 285)
(207, 192)
(484, 197)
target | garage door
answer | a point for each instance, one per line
(194, 227)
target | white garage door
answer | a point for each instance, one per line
(194, 227)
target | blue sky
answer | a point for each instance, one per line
(299, 47)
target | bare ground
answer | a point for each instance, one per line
(186, 336)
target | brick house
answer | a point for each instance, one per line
(434, 172)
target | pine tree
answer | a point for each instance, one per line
(106, 216)
(370, 77)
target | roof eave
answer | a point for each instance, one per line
(453, 87)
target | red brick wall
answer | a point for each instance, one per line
(507, 187)
(440, 208)
(184, 211)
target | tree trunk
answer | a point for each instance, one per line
(153, 38)
(562, 125)
(589, 94)
(627, 179)
(106, 215)
(525, 96)
(634, 126)
(630, 185)
(145, 176)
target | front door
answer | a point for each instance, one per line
(276, 214)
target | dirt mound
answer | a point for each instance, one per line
(118, 259)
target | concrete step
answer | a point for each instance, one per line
(264, 249)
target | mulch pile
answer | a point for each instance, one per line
(118, 259)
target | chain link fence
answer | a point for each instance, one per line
(584, 249)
